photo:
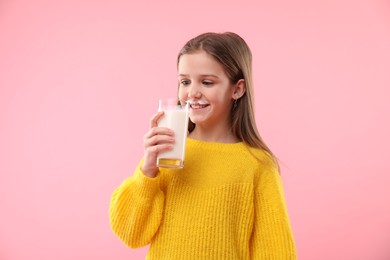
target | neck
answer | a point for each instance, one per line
(215, 134)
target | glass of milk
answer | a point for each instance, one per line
(175, 118)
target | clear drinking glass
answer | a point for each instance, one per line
(175, 118)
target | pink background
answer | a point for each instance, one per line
(79, 81)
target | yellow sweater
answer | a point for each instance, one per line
(224, 204)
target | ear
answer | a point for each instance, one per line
(239, 89)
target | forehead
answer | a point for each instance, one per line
(199, 62)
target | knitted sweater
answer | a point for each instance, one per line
(226, 203)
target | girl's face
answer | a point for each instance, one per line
(204, 83)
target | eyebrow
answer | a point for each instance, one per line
(202, 75)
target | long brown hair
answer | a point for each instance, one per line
(230, 50)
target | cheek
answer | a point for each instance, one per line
(182, 93)
(218, 98)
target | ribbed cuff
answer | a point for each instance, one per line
(145, 186)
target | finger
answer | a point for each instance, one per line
(158, 139)
(156, 149)
(158, 131)
(155, 119)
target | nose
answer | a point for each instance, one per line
(194, 92)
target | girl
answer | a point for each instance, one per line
(227, 202)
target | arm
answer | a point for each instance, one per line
(272, 236)
(137, 204)
(136, 209)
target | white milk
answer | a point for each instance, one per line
(177, 120)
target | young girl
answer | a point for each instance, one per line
(227, 202)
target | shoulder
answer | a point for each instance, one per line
(267, 169)
(263, 159)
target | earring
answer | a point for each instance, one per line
(235, 103)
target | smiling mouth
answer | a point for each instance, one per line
(198, 106)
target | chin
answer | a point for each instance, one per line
(196, 122)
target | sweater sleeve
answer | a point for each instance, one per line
(272, 237)
(136, 209)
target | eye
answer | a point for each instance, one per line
(207, 82)
(185, 82)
